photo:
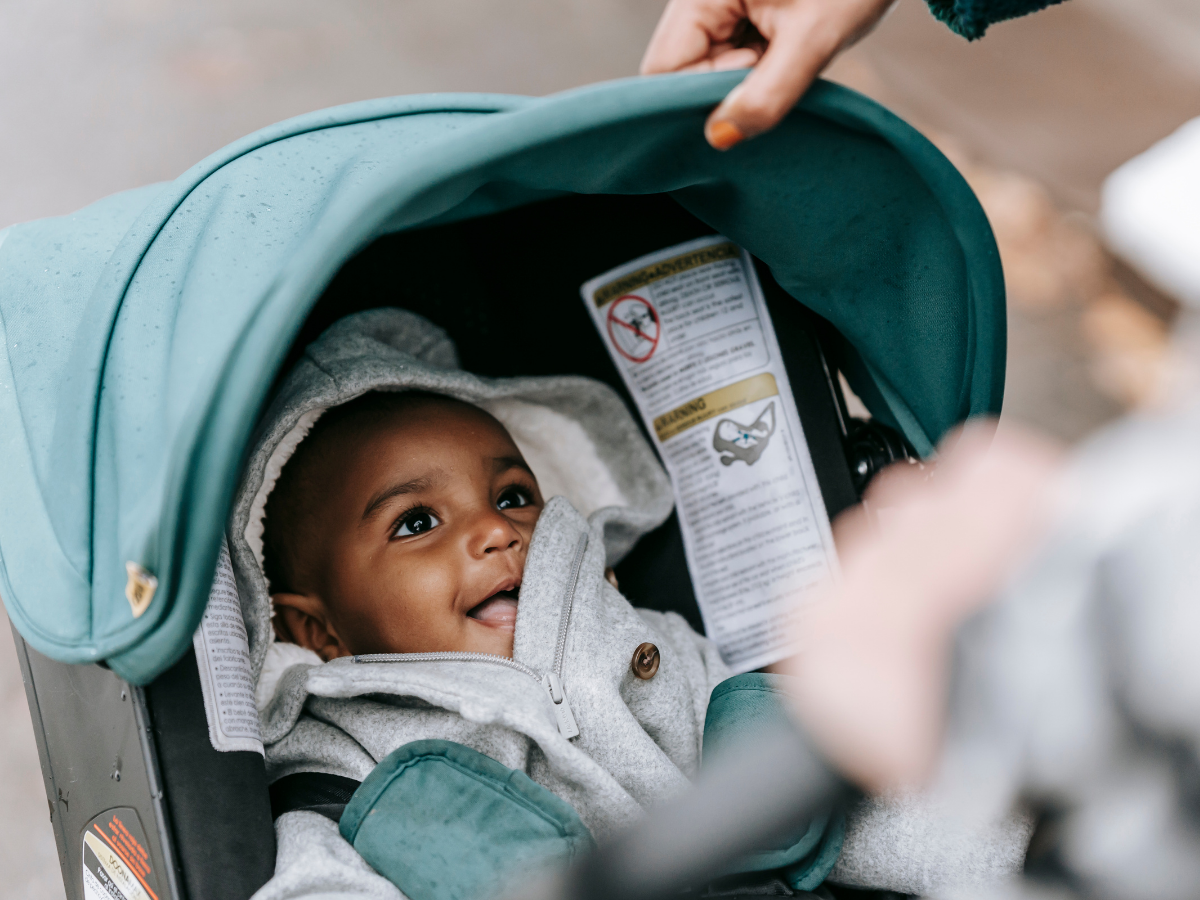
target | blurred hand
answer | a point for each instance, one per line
(873, 653)
(788, 42)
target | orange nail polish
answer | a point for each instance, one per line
(724, 134)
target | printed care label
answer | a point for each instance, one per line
(223, 655)
(689, 331)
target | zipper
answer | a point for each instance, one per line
(551, 681)
(447, 656)
(564, 617)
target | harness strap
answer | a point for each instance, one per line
(316, 792)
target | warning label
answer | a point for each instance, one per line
(116, 864)
(689, 331)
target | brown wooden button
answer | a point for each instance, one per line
(645, 661)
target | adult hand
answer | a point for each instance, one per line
(788, 42)
(873, 653)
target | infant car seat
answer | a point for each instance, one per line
(142, 335)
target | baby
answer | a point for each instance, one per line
(404, 523)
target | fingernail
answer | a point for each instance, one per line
(724, 134)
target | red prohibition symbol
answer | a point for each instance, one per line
(633, 327)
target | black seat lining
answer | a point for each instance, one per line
(317, 792)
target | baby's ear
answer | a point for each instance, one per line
(301, 619)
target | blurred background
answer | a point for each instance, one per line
(103, 95)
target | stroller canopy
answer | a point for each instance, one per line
(142, 334)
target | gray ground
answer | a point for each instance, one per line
(101, 95)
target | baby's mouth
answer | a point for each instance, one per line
(498, 610)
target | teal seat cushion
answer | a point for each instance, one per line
(738, 708)
(443, 822)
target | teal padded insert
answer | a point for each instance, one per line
(444, 822)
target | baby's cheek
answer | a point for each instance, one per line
(423, 617)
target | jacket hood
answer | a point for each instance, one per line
(576, 434)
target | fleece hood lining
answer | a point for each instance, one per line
(283, 451)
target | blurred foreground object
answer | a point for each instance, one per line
(1079, 689)
(1150, 212)
(872, 654)
(928, 548)
(761, 789)
(1075, 691)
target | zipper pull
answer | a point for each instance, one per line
(562, 709)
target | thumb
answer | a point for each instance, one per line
(801, 42)
(799, 49)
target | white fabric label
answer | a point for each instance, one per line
(223, 655)
(689, 332)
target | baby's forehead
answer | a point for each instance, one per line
(411, 410)
(354, 446)
(418, 417)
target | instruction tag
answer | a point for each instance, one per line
(689, 332)
(223, 656)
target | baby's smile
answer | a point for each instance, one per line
(498, 610)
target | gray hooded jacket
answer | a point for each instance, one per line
(638, 742)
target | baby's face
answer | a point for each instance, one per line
(422, 536)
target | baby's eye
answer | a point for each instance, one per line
(416, 522)
(513, 498)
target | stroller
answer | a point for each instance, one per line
(143, 335)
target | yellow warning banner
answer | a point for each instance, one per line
(719, 401)
(659, 270)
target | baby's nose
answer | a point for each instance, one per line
(502, 545)
(495, 534)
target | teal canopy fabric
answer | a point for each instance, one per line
(142, 334)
